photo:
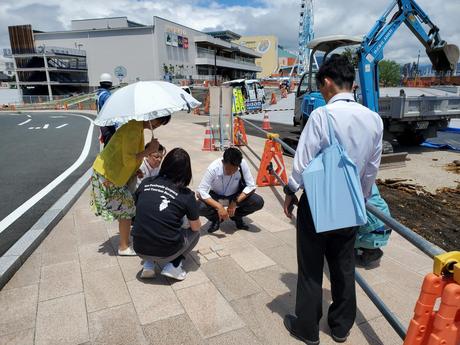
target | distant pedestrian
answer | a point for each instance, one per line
(227, 190)
(359, 130)
(161, 204)
(103, 94)
(112, 169)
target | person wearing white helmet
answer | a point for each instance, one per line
(103, 94)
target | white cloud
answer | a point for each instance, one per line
(277, 17)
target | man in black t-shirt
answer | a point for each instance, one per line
(161, 204)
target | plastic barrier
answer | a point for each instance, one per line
(272, 154)
(239, 132)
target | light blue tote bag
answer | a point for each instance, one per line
(333, 188)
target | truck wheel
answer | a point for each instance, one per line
(386, 147)
(411, 139)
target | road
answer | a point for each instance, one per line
(42, 155)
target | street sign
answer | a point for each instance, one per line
(120, 72)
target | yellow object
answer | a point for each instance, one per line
(271, 136)
(445, 264)
(457, 273)
(267, 47)
(117, 161)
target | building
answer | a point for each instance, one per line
(129, 51)
(6, 65)
(286, 62)
(267, 47)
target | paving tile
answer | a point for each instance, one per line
(130, 266)
(115, 326)
(195, 275)
(208, 310)
(60, 280)
(279, 284)
(211, 256)
(105, 288)
(265, 319)
(177, 330)
(283, 255)
(230, 279)
(366, 309)
(59, 256)
(380, 330)
(25, 337)
(261, 239)
(289, 237)
(91, 233)
(238, 337)
(154, 299)
(18, 309)
(251, 258)
(95, 256)
(28, 274)
(62, 321)
(269, 222)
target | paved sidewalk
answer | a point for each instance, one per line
(75, 290)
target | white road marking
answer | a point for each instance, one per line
(31, 127)
(58, 117)
(65, 124)
(23, 123)
(46, 126)
(37, 127)
(13, 216)
(28, 116)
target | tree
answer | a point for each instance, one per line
(352, 55)
(390, 73)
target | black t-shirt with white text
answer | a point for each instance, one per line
(160, 208)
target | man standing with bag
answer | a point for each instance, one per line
(359, 131)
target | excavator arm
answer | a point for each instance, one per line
(443, 56)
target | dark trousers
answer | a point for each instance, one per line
(337, 246)
(251, 204)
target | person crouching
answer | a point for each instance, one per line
(161, 204)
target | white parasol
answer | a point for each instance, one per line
(143, 101)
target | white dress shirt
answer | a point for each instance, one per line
(147, 171)
(215, 180)
(358, 129)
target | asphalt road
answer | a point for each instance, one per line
(35, 148)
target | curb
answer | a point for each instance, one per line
(16, 256)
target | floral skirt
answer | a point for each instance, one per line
(109, 201)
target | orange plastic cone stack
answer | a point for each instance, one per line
(266, 122)
(239, 133)
(273, 99)
(208, 142)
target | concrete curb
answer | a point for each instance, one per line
(15, 257)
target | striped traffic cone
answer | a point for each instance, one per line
(208, 142)
(266, 122)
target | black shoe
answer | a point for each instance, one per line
(215, 225)
(371, 255)
(240, 224)
(339, 339)
(288, 320)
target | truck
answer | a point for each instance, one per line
(409, 118)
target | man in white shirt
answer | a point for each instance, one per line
(359, 130)
(227, 190)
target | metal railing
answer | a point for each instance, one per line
(425, 246)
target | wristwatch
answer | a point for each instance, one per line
(287, 190)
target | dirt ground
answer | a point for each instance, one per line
(435, 216)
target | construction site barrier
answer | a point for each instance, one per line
(428, 326)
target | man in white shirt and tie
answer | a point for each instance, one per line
(359, 130)
(227, 190)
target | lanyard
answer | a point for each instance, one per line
(344, 100)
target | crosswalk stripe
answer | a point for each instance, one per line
(65, 124)
(23, 123)
(46, 126)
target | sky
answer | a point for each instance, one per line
(245, 17)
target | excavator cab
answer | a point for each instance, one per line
(445, 58)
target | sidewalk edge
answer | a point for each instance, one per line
(16, 256)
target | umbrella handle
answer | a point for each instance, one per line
(189, 109)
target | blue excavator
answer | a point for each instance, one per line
(400, 119)
(407, 117)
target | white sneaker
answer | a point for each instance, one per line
(177, 273)
(127, 252)
(147, 273)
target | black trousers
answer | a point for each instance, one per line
(338, 248)
(251, 204)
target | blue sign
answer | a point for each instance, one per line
(253, 105)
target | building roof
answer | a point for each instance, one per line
(226, 35)
(284, 53)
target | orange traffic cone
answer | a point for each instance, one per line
(272, 154)
(208, 142)
(239, 133)
(273, 99)
(196, 111)
(266, 122)
(207, 104)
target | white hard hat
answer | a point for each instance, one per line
(105, 77)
